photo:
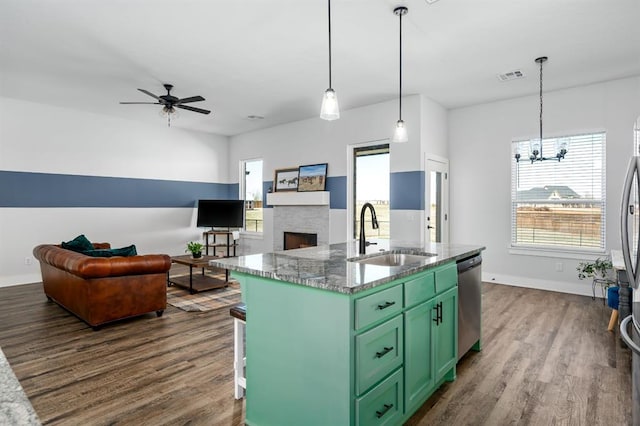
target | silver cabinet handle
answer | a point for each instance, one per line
(625, 336)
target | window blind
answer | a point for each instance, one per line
(560, 204)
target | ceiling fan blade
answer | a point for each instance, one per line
(146, 92)
(141, 103)
(190, 108)
(191, 99)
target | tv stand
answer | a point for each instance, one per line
(228, 243)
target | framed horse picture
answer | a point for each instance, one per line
(286, 180)
(312, 177)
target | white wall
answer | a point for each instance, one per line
(480, 160)
(317, 141)
(42, 138)
(434, 130)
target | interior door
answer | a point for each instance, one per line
(437, 200)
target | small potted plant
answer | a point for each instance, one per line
(195, 248)
(599, 271)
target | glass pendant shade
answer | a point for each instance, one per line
(534, 147)
(330, 110)
(400, 134)
(562, 145)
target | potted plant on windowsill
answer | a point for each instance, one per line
(195, 248)
(599, 270)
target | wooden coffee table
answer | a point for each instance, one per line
(199, 281)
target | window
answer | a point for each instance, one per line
(560, 204)
(371, 184)
(251, 188)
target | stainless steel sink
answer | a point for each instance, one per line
(394, 259)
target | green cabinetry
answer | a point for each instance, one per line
(445, 334)
(430, 337)
(317, 357)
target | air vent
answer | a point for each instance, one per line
(511, 75)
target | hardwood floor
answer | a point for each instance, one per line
(547, 359)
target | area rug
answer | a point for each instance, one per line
(206, 300)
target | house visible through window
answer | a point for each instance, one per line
(251, 188)
(560, 204)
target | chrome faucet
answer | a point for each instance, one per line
(374, 223)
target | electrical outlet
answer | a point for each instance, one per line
(559, 267)
(28, 261)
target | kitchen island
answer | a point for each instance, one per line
(334, 337)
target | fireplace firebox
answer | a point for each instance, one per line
(294, 240)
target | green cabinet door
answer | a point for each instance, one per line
(418, 368)
(445, 336)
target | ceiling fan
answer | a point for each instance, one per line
(171, 102)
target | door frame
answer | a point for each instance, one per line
(350, 171)
(440, 164)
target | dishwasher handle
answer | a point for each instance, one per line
(469, 263)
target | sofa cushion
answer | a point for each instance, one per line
(79, 244)
(123, 251)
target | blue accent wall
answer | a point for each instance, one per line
(24, 189)
(407, 190)
(337, 185)
(266, 185)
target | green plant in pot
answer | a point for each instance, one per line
(195, 248)
(599, 270)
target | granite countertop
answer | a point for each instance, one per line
(330, 267)
(15, 408)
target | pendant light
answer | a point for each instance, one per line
(535, 145)
(400, 134)
(329, 109)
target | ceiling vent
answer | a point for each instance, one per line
(511, 75)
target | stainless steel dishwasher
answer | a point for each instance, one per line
(469, 303)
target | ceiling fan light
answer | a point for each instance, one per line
(400, 134)
(169, 110)
(330, 109)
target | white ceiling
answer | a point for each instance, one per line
(270, 57)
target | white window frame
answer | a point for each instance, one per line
(569, 251)
(242, 193)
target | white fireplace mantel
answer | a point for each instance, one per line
(315, 198)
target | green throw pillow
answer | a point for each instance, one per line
(124, 251)
(79, 244)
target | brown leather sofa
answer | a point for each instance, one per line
(99, 290)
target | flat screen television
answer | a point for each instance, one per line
(220, 214)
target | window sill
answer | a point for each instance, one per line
(558, 253)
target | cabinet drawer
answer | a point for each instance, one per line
(383, 405)
(420, 289)
(379, 351)
(446, 278)
(378, 306)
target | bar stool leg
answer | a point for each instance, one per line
(613, 321)
(239, 381)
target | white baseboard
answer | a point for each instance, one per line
(20, 279)
(583, 288)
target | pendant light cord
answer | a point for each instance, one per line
(400, 89)
(329, 13)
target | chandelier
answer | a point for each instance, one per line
(535, 145)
